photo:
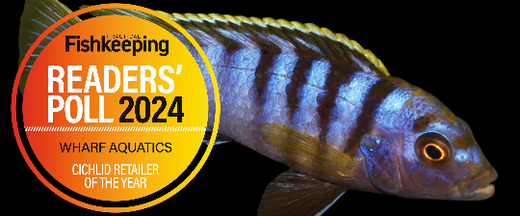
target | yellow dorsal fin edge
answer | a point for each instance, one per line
(279, 23)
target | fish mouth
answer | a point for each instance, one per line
(482, 188)
(483, 193)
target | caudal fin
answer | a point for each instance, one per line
(37, 16)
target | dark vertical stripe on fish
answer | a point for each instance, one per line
(269, 52)
(377, 93)
(326, 100)
(262, 74)
(298, 79)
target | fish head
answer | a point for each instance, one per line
(433, 155)
(447, 163)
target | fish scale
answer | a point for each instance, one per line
(276, 99)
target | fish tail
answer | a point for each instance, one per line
(38, 16)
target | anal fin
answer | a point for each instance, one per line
(292, 193)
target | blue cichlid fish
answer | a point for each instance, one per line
(321, 104)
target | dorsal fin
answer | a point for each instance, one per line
(307, 39)
(37, 16)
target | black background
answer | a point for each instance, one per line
(455, 53)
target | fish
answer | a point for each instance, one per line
(319, 103)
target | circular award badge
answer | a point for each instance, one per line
(114, 110)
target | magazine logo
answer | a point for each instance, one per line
(116, 43)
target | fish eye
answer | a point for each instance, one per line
(433, 148)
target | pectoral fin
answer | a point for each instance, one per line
(221, 139)
(293, 193)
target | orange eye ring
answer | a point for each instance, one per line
(434, 152)
(433, 149)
